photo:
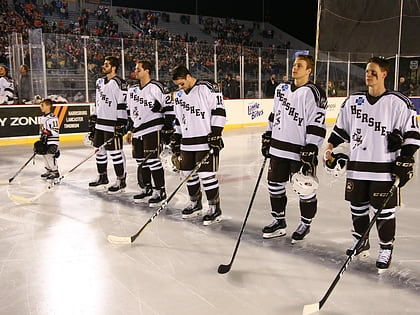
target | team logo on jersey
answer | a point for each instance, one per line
(360, 100)
(285, 87)
(277, 118)
(179, 93)
(357, 138)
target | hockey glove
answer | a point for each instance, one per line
(215, 142)
(157, 107)
(120, 128)
(309, 158)
(265, 143)
(166, 134)
(403, 169)
(91, 126)
(175, 144)
(40, 147)
(395, 140)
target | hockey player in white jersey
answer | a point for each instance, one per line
(109, 120)
(296, 131)
(47, 145)
(6, 86)
(151, 120)
(382, 129)
(200, 119)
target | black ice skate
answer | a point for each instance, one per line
(213, 215)
(301, 232)
(46, 174)
(101, 182)
(277, 228)
(118, 186)
(193, 210)
(144, 192)
(362, 251)
(159, 195)
(54, 176)
(384, 258)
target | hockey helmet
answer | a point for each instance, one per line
(336, 167)
(169, 160)
(304, 184)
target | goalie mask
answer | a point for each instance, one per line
(304, 184)
(336, 167)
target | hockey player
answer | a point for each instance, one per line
(151, 120)
(109, 120)
(47, 146)
(296, 131)
(382, 129)
(6, 86)
(200, 119)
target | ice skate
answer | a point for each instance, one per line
(277, 228)
(384, 258)
(147, 191)
(118, 186)
(213, 215)
(100, 183)
(301, 232)
(158, 197)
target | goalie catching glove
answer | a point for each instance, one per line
(309, 158)
(215, 142)
(403, 169)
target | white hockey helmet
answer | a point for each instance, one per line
(304, 184)
(170, 162)
(337, 166)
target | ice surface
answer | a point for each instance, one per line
(55, 257)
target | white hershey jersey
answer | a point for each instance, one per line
(6, 90)
(50, 122)
(297, 119)
(365, 126)
(111, 103)
(197, 111)
(140, 104)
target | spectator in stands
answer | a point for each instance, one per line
(270, 86)
(403, 86)
(230, 87)
(331, 89)
(24, 85)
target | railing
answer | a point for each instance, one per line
(68, 65)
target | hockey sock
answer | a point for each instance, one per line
(143, 173)
(210, 185)
(360, 217)
(157, 172)
(308, 207)
(278, 199)
(386, 231)
(101, 161)
(118, 159)
(193, 186)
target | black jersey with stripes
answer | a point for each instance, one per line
(297, 119)
(199, 112)
(111, 103)
(365, 121)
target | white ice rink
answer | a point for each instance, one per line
(55, 257)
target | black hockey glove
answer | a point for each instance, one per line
(403, 169)
(175, 144)
(265, 143)
(166, 133)
(309, 158)
(120, 128)
(40, 147)
(157, 107)
(91, 126)
(395, 140)
(215, 142)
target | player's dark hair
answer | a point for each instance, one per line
(310, 61)
(180, 72)
(113, 61)
(48, 102)
(146, 65)
(381, 62)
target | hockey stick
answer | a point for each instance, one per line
(21, 199)
(312, 308)
(21, 168)
(225, 268)
(124, 240)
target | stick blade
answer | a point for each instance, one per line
(19, 199)
(223, 269)
(310, 308)
(4, 182)
(119, 240)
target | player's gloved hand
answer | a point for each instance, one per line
(91, 126)
(157, 107)
(175, 144)
(44, 136)
(120, 128)
(215, 142)
(40, 147)
(403, 169)
(395, 140)
(166, 134)
(309, 158)
(265, 143)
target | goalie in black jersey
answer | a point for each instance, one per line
(382, 129)
(296, 131)
(151, 120)
(108, 123)
(200, 119)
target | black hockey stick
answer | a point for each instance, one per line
(312, 308)
(121, 240)
(21, 168)
(225, 268)
(21, 199)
